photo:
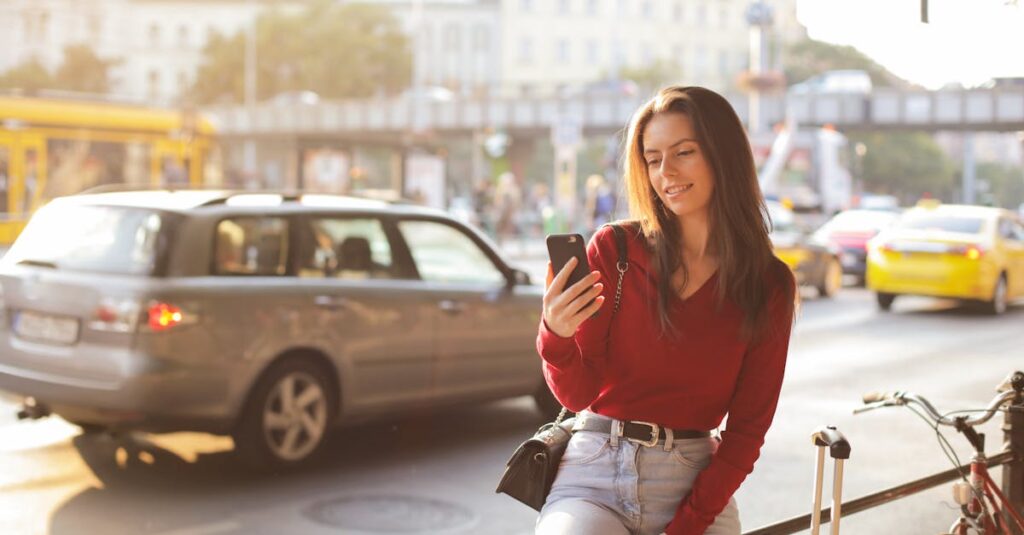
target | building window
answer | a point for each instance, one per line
(481, 38)
(647, 9)
(154, 35)
(702, 15)
(700, 60)
(593, 52)
(452, 38)
(677, 12)
(525, 50)
(646, 55)
(563, 7)
(526, 5)
(723, 17)
(562, 51)
(153, 83)
(183, 35)
(620, 8)
(677, 54)
(723, 62)
(592, 7)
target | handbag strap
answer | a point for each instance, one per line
(621, 266)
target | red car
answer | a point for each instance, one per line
(849, 231)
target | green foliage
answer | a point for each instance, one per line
(82, 70)
(1005, 184)
(29, 77)
(337, 51)
(905, 164)
(807, 58)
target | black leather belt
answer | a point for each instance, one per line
(644, 433)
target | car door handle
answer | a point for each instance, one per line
(331, 302)
(451, 306)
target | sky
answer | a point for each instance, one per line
(965, 41)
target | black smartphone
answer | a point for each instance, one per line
(562, 247)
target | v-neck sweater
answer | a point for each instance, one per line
(621, 365)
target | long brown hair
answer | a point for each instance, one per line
(738, 217)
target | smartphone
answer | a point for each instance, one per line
(562, 247)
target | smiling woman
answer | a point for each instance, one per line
(652, 385)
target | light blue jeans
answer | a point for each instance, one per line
(607, 485)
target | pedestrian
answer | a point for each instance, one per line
(702, 332)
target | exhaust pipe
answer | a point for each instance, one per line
(32, 410)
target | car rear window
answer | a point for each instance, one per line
(943, 223)
(102, 239)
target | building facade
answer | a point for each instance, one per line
(471, 47)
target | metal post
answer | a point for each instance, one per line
(819, 475)
(970, 188)
(249, 148)
(1013, 472)
(837, 496)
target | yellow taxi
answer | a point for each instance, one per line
(814, 263)
(973, 253)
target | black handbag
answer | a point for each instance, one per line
(531, 470)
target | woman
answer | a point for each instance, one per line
(702, 331)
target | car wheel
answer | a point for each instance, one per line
(286, 418)
(1000, 299)
(885, 300)
(832, 281)
(548, 406)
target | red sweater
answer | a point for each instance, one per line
(623, 368)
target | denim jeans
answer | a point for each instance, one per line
(608, 485)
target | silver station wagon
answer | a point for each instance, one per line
(269, 317)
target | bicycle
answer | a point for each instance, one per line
(984, 508)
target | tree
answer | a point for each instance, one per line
(807, 58)
(29, 77)
(906, 164)
(1005, 184)
(81, 70)
(337, 51)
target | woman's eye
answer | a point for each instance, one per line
(652, 162)
(684, 152)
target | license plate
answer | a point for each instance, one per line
(46, 328)
(848, 260)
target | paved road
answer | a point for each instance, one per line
(436, 473)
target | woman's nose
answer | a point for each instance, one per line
(667, 169)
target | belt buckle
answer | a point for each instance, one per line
(655, 428)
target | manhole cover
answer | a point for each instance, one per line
(390, 514)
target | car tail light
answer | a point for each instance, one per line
(972, 252)
(115, 315)
(163, 316)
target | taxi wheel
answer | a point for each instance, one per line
(1000, 300)
(832, 281)
(885, 300)
(287, 416)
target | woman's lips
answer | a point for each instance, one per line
(676, 190)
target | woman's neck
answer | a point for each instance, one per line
(695, 235)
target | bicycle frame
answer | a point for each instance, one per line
(1010, 498)
(985, 504)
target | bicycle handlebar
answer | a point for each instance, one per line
(876, 400)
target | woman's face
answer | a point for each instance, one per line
(676, 166)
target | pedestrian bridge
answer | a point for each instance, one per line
(398, 120)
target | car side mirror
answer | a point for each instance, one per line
(520, 278)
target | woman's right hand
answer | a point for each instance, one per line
(564, 311)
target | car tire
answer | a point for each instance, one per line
(1000, 299)
(546, 403)
(885, 300)
(832, 278)
(287, 416)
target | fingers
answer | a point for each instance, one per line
(558, 283)
(551, 276)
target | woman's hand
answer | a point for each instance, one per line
(564, 311)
